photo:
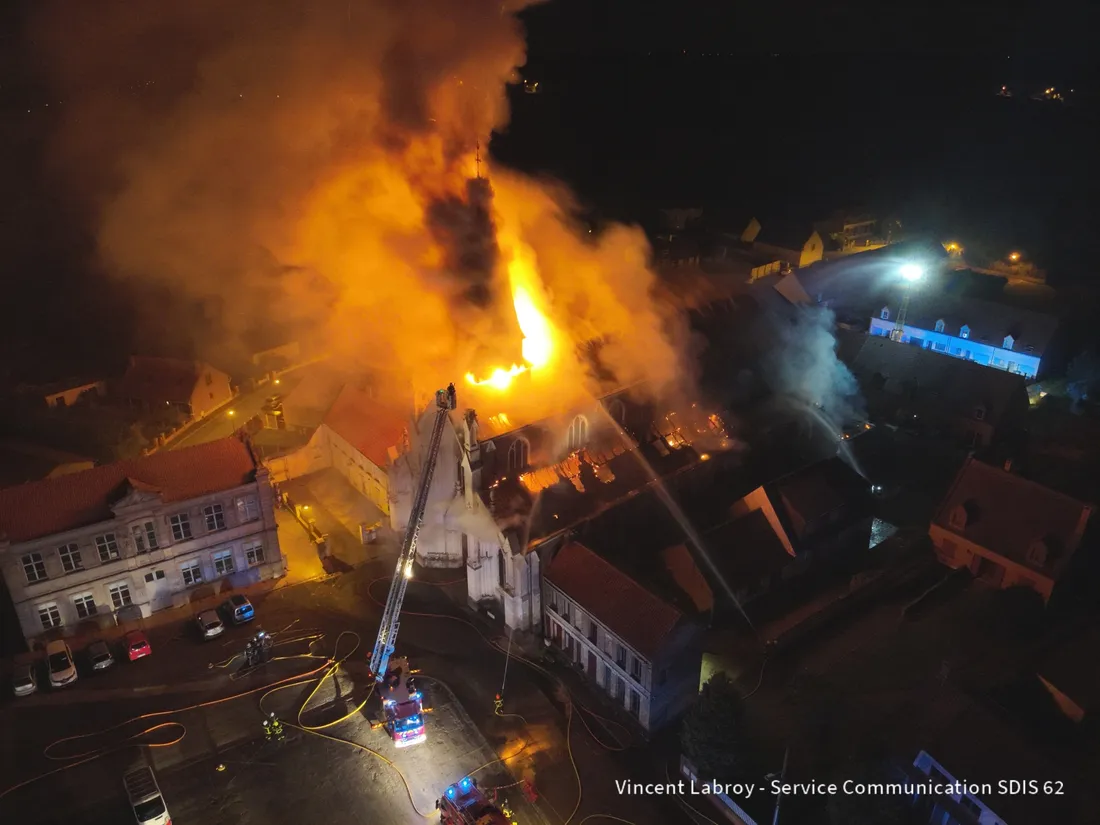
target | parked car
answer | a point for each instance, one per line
(24, 681)
(145, 797)
(99, 655)
(60, 661)
(210, 626)
(238, 609)
(137, 645)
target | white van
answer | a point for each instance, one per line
(145, 798)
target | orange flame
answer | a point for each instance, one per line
(538, 332)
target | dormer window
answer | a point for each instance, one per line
(884, 313)
(964, 331)
(963, 515)
(1008, 342)
(939, 325)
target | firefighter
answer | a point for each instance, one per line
(276, 726)
(268, 733)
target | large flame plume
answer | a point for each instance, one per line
(308, 169)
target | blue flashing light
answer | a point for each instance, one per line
(451, 792)
(466, 784)
(415, 695)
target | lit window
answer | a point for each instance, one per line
(884, 313)
(254, 553)
(85, 605)
(939, 325)
(1008, 342)
(518, 454)
(49, 615)
(192, 572)
(223, 563)
(107, 545)
(181, 526)
(120, 594)
(215, 518)
(964, 331)
(578, 433)
(34, 567)
(70, 558)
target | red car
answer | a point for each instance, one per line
(137, 645)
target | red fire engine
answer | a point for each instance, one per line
(402, 706)
(464, 803)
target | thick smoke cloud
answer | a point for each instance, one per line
(803, 366)
(306, 164)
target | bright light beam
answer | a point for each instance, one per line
(911, 272)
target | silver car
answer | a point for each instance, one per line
(99, 656)
(24, 681)
(210, 626)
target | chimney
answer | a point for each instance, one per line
(1008, 465)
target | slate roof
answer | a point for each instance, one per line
(630, 611)
(989, 322)
(817, 490)
(951, 383)
(54, 505)
(161, 379)
(367, 425)
(785, 234)
(1011, 513)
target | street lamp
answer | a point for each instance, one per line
(911, 274)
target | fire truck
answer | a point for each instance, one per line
(402, 706)
(464, 803)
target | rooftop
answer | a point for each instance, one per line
(161, 379)
(55, 505)
(366, 424)
(1008, 514)
(630, 611)
(949, 382)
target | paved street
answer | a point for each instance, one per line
(229, 419)
(309, 778)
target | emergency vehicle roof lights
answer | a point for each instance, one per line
(466, 784)
(451, 792)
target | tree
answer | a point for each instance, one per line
(870, 808)
(713, 733)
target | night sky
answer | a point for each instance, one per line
(779, 107)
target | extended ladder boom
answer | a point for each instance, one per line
(391, 616)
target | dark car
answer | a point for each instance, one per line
(238, 609)
(99, 656)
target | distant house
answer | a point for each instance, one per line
(1071, 674)
(193, 387)
(913, 387)
(1008, 531)
(639, 649)
(21, 462)
(63, 393)
(988, 333)
(822, 509)
(795, 244)
(127, 539)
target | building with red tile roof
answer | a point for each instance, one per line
(634, 645)
(193, 387)
(129, 538)
(1007, 530)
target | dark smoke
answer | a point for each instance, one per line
(465, 231)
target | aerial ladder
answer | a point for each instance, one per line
(401, 700)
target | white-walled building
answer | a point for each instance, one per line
(136, 535)
(638, 648)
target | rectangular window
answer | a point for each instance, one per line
(223, 562)
(215, 518)
(592, 631)
(620, 656)
(120, 594)
(247, 509)
(107, 545)
(70, 558)
(635, 703)
(181, 526)
(49, 615)
(635, 669)
(254, 553)
(607, 676)
(34, 567)
(156, 574)
(85, 605)
(145, 537)
(192, 572)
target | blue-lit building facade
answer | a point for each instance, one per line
(992, 335)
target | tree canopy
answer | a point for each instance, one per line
(713, 734)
